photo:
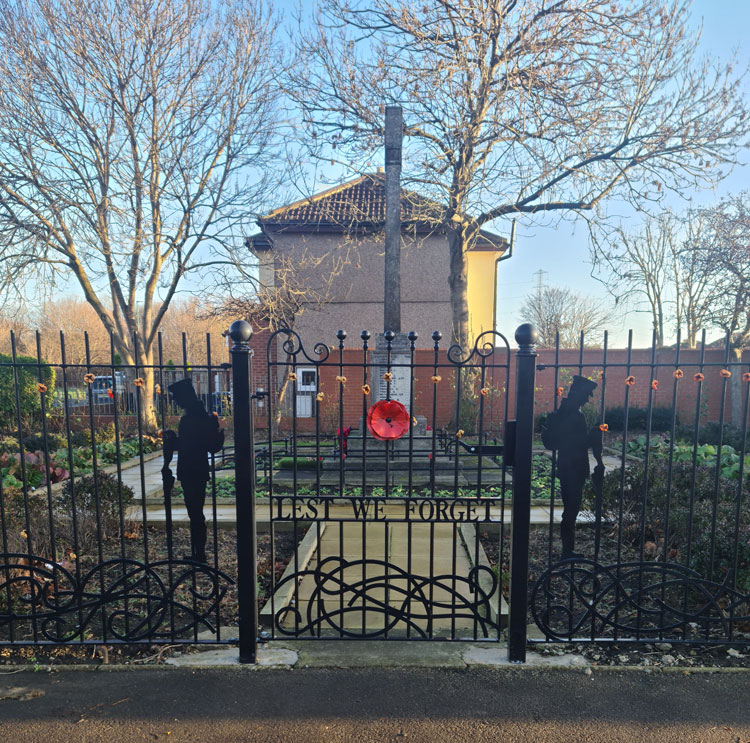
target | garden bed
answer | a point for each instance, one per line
(225, 549)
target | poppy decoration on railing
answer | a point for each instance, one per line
(388, 420)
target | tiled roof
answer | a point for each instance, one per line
(360, 202)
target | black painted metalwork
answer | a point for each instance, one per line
(662, 532)
(414, 611)
(87, 537)
(389, 533)
(643, 600)
(526, 337)
(122, 599)
(244, 472)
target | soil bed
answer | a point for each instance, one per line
(655, 653)
(226, 551)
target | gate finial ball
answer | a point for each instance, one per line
(526, 334)
(240, 332)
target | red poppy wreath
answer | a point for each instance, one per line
(388, 420)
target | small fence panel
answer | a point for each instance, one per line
(391, 488)
(642, 459)
(96, 545)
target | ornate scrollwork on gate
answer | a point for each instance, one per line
(121, 599)
(577, 598)
(414, 603)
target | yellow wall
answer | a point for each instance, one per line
(481, 290)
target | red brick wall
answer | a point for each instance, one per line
(643, 367)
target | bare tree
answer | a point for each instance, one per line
(519, 108)
(14, 319)
(555, 310)
(76, 318)
(694, 286)
(131, 143)
(657, 266)
(724, 253)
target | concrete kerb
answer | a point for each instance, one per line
(299, 655)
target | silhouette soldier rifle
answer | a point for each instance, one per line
(565, 431)
(198, 435)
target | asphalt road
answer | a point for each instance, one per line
(388, 705)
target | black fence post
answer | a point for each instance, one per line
(526, 336)
(244, 474)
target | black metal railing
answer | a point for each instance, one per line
(93, 546)
(344, 527)
(662, 539)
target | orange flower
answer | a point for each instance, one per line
(24, 534)
(110, 394)
(414, 420)
(678, 374)
(157, 389)
(725, 373)
(436, 378)
(698, 377)
(138, 382)
(484, 391)
(746, 377)
(654, 384)
(73, 556)
(88, 378)
(41, 387)
(459, 433)
(559, 391)
(630, 381)
(292, 377)
(341, 380)
(603, 427)
(365, 389)
(388, 376)
(319, 397)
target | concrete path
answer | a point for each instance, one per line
(390, 579)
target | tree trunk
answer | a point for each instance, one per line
(457, 281)
(735, 388)
(149, 418)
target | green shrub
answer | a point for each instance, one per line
(80, 438)
(29, 394)
(661, 418)
(303, 463)
(643, 500)
(711, 432)
(102, 494)
(38, 442)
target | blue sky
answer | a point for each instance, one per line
(563, 251)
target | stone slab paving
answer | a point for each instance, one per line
(388, 569)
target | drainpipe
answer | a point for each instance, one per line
(503, 257)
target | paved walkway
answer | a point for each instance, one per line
(398, 579)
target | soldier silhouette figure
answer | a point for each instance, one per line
(198, 435)
(566, 432)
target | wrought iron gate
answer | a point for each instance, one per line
(389, 526)
(409, 497)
